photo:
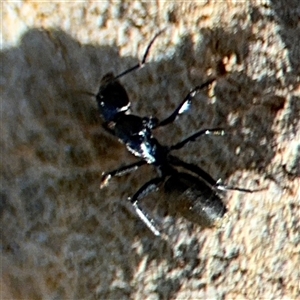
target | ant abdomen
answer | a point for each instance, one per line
(193, 199)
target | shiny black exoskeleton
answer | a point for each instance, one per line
(194, 197)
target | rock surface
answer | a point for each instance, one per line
(62, 237)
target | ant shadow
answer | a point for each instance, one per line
(287, 14)
(58, 149)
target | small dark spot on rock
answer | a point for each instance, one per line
(274, 103)
(3, 202)
(77, 156)
(172, 17)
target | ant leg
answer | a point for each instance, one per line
(142, 63)
(197, 170)
(204, 175)
(184, 105)
(194, 169)
(147, 188)
(120, 172)
(222, 187)
(192, 138)
(191, 167)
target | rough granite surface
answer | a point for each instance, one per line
(64, 238)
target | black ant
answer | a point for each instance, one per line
(194, 197)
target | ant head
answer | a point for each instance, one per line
(112, 98)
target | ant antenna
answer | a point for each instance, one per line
(138, 66)
(142, 63)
